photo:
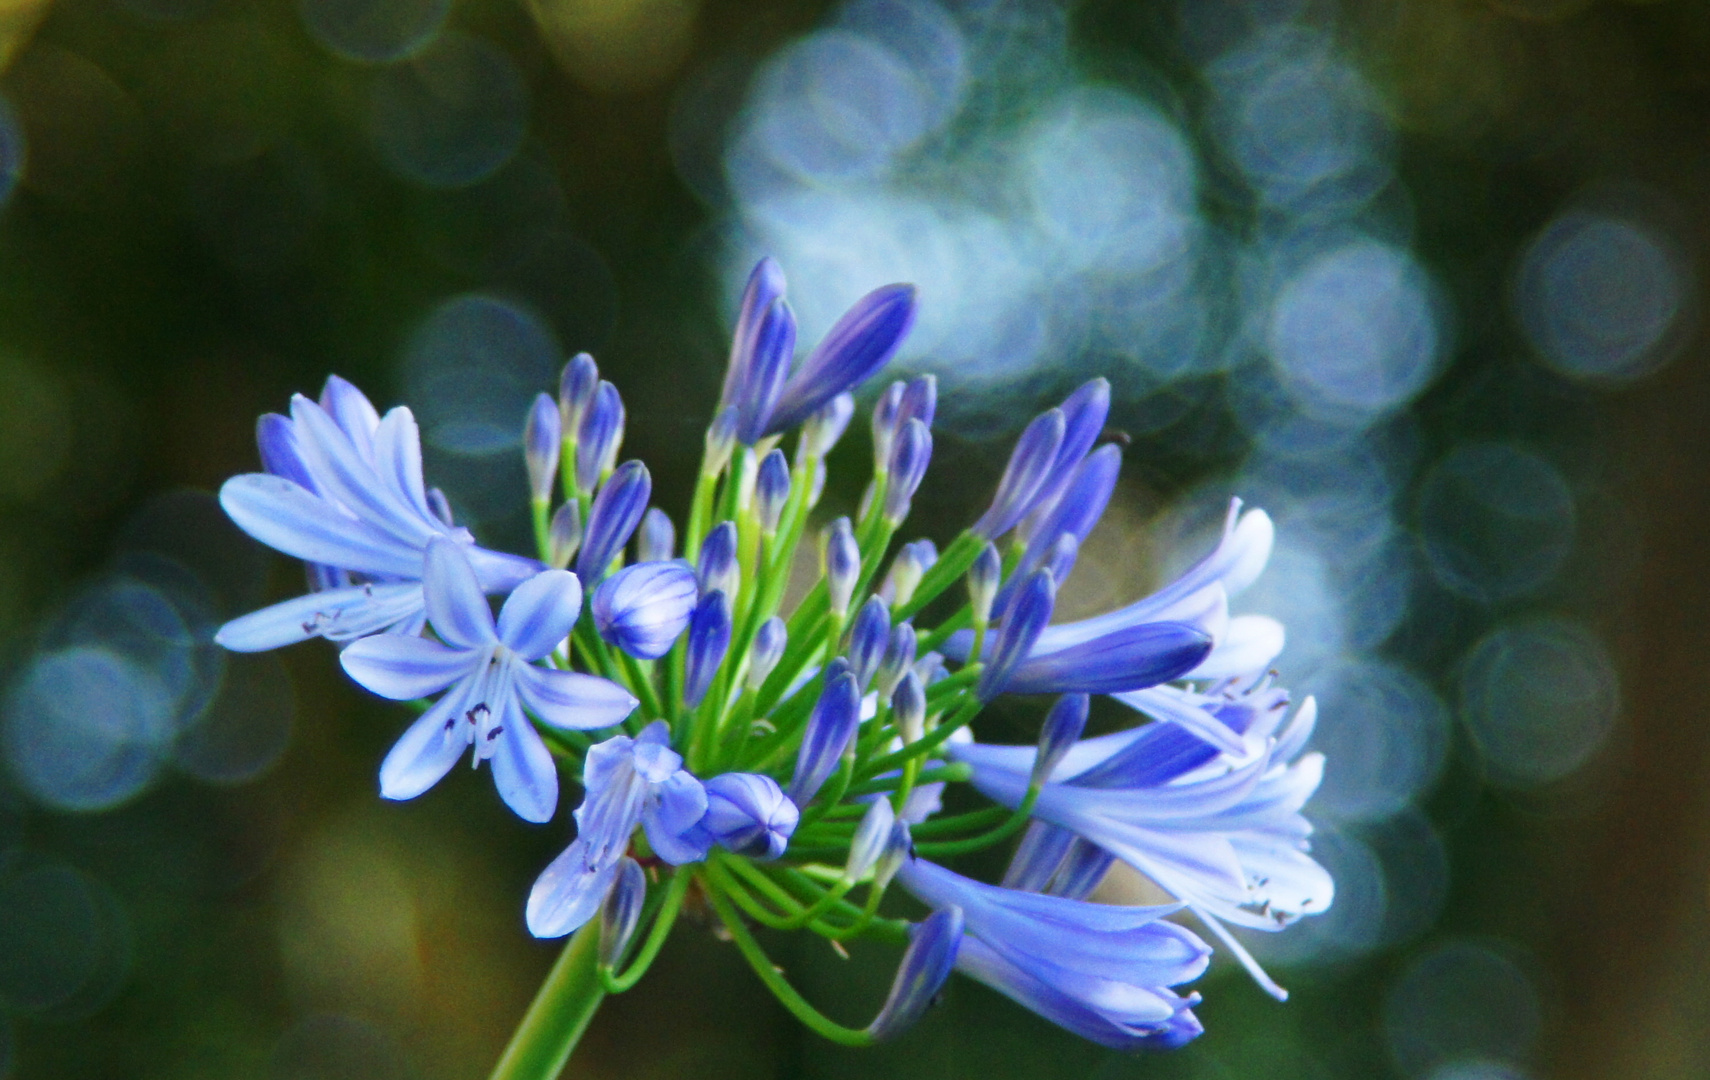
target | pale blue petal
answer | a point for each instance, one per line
(398, 460)
(285, 516)
(1161, 704)
(347, 476)
(568, 893)
(351, 411)
(428, 749)
(498, 571)
(540, 613)
(569, 699)
(674, 810)
(406, 668)
(338, 614)
(523, 770)
(456, 606)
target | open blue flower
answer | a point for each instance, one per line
(629, 782)
(487, 668)
(1102, 971)
(1221, 833)
(343, 492)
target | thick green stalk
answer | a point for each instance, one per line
(559, 1013)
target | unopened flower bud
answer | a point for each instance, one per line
(885, 425)
(717, 567)
(842, 565)
(907, 568)
(612, 519)
(933, 945)
(541, 446)
(830, 728)
(870, 839)
(656, 541)
(720, 441)
(824, 428)
(565, 533)
(771, 491)
(1029, 611)
(576, 390)
(908, 707)
(899, 654)
(642, 609)
(709, 640)
(919, 401)
(598, 439)
(898, 847)
(908, 468)
(983, 583)
(867, 640)
(621, 911)
(768, 649)
(1062, 729)
(816, 485)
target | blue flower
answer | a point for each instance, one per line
(628, 782)
(862, 342)
(344, 493)
(1221, 833)
(487, 668)
(1102, 971)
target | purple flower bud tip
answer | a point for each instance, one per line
(621, 911)
(1029, 611)
(541, 444)
(842, 564)
(908, 467)
(868, 638)
(613, 517)
(1062, 728)
(717, 566)
(829, 729)
(657, 539)
(870, 839)
(720, 441)
(749, 815)
(983, 582)
(576, 389)
(709, 640)
(927, 962)
(771, 490)
(565, 533)
(768, 649)
(599, 437)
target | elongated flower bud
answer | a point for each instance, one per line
(867, 640)
(933, 945)
(911, 563)
(1029, 464)
(620, 913)
(1061, 730)
(657, 539)
(825, 427)
(565, 533)
(765, 285)
(829, 729)
(1084, 414)
(643, 608)
(898, 849)
(541, 444)
(854, 350)
(749, 815)
(763, 379)
(920, 400)
(720, 441)
(576, 389)
(983, 583)
(908, 707)
(709, 640)
(768, 649)
(771, 491)
(599, 438)
(870, 839)
(1078, 510)
(612, 519)
(842, 565)
(908, 467)
(717, 567)
(885, 425)
(1023, 623)
(899, 654)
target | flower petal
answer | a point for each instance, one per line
(672, 814)
(455, 603)
(338, 614)
(428, 749)
(568, 893)
(398, 460)
(522, 766)
(406, 668)
(348, 476)
(287, 517)
(540, 613)
(569, 699)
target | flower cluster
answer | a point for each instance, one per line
(771, 764)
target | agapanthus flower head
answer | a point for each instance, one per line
(770, 757)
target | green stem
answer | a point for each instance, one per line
(559, 1013)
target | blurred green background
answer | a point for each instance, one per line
(1421, 277)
